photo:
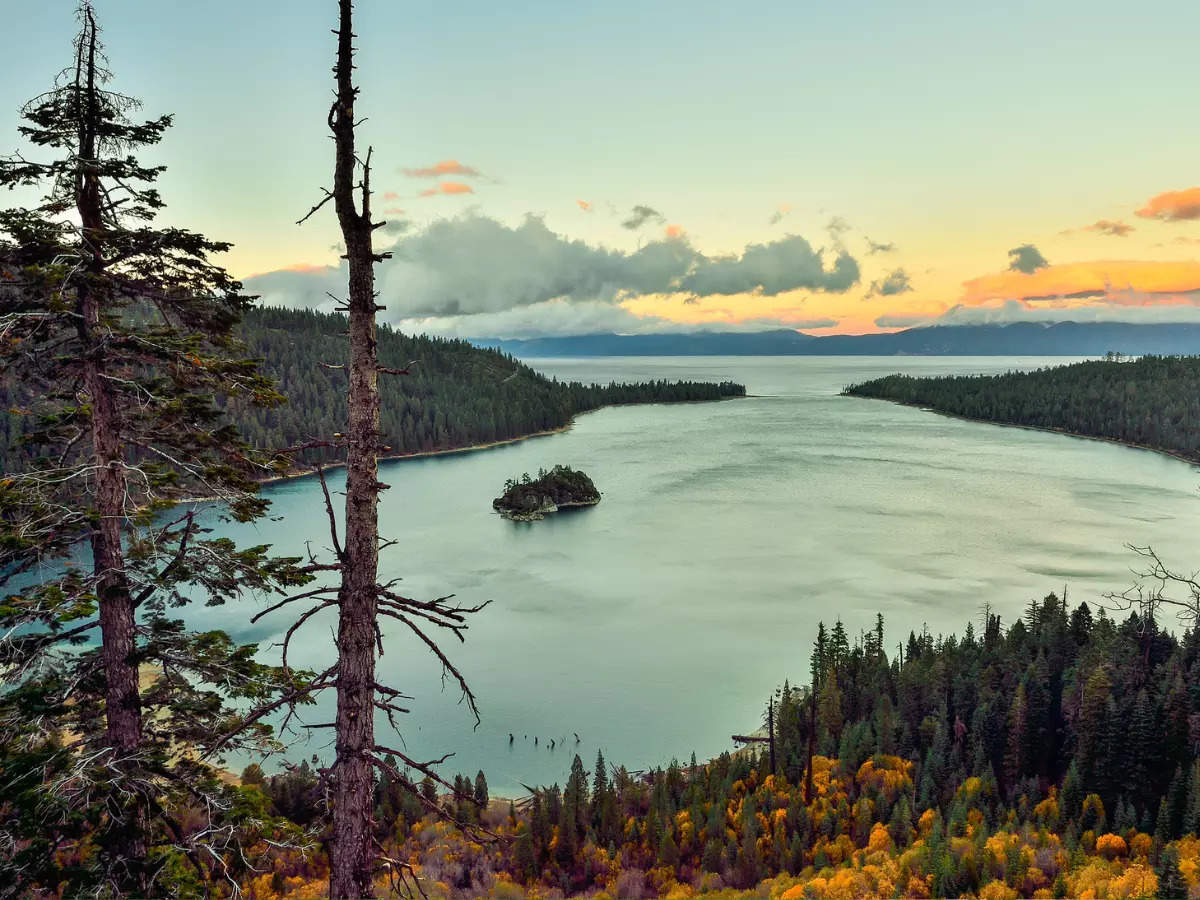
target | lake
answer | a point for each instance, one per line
(656, 623)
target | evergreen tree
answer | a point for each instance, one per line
(481, 791)
(1171, 883)
(1015, 758)
(117, 336)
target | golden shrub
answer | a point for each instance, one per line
(925, 823)
(1141, 845)
(1110, 846)
(997, 890)
(1136, 881)
(917, 888)
(880, 839)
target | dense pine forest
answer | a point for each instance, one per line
(1057, 757)
(1153, 401)
(453, 394)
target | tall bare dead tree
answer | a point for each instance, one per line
(360, 598)
(351, 871)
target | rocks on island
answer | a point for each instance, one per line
(528, 499)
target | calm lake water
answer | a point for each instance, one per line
(656, 623)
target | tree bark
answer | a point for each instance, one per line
(352, 859)
(127, 841)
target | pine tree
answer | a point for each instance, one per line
(1015, 760)
(714, 855)
(523, 854)
(1142, 749)
(116, 339)
(668, 850)
(1171, 883)
(481, 790)
(1092, 730)
(575, 798)
(1191, 807)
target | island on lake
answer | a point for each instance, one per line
(529, 499)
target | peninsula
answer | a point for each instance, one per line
(1150, 402)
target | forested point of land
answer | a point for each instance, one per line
(1053, 758)
(1152, 401)
(454, 394)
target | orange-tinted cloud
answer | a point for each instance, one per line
(1173, 206)
(444, 167)
(1086, 279)
(585, 205)
(391, 195)
(302, 268)
(448, 187)
(674, 231)
(393, 211)
(1109, 227)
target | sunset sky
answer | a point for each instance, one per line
(553, 168)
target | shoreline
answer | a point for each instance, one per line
(470, 448)
(311, 473)
(1048, 429)
(391, 457)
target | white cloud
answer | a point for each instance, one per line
(474, 264)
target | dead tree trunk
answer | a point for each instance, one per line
(127, 839)
(352, 861)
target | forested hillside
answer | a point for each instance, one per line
(454, 394)
(1152, 402)
(1054, 758)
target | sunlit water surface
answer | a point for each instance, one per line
(656, 623)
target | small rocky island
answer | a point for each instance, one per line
(530, 499)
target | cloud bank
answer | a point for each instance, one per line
(1010, 311)
(1099, 278)
(476, 266)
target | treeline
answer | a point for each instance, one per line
(453, 395)
(1152, 402)
(1055, 758)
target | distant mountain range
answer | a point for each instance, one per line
(1018, 339)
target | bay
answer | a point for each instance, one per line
(655, 624)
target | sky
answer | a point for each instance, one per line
(566, 168)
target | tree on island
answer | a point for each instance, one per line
(115, 337)
(528, 498)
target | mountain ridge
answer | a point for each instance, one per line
(1014, 339)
